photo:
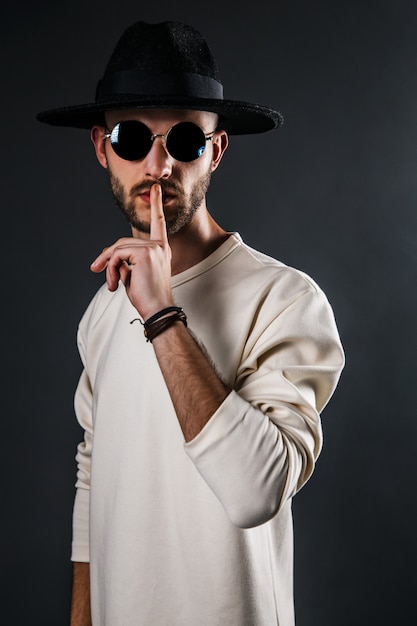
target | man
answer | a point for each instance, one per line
(198, 434)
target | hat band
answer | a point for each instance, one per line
(141, 83)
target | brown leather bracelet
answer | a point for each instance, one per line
(160, 314)
(158, 326)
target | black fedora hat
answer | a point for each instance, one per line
(167, 65)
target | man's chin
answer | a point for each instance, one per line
(144, 228)
(140, 228)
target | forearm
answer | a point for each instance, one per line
(80, 601)
(194, 386)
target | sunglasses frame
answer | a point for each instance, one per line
(165, 138)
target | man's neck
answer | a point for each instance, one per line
(195, 243)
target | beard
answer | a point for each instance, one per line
(187, 205)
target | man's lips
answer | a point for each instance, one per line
(146, 197)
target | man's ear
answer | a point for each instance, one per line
(99, 141)
(220, 142)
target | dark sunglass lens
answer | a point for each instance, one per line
(131, 140)
(186, 142)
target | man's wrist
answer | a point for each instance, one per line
(162, 320)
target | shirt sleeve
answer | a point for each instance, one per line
(83, 409)
(260, 446)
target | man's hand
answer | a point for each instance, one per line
(144, 266)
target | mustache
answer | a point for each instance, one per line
(166, 186)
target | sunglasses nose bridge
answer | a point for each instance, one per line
(158, 161)
(153, 137)
(163, 138)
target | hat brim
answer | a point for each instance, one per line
(235, 117)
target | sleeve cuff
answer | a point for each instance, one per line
(80, 540)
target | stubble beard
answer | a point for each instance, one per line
(186, 207)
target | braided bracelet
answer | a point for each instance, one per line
(161, 313)
(161, 321)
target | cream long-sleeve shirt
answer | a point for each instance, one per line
(200, 533)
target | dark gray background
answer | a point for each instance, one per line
(333, 193)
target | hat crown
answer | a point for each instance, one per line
(167, 47)
(167, 65)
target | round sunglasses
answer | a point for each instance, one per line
(131, 140)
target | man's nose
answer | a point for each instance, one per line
(158, 162)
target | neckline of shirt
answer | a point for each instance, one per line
(206, 264)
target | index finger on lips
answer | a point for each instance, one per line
(158, 230)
